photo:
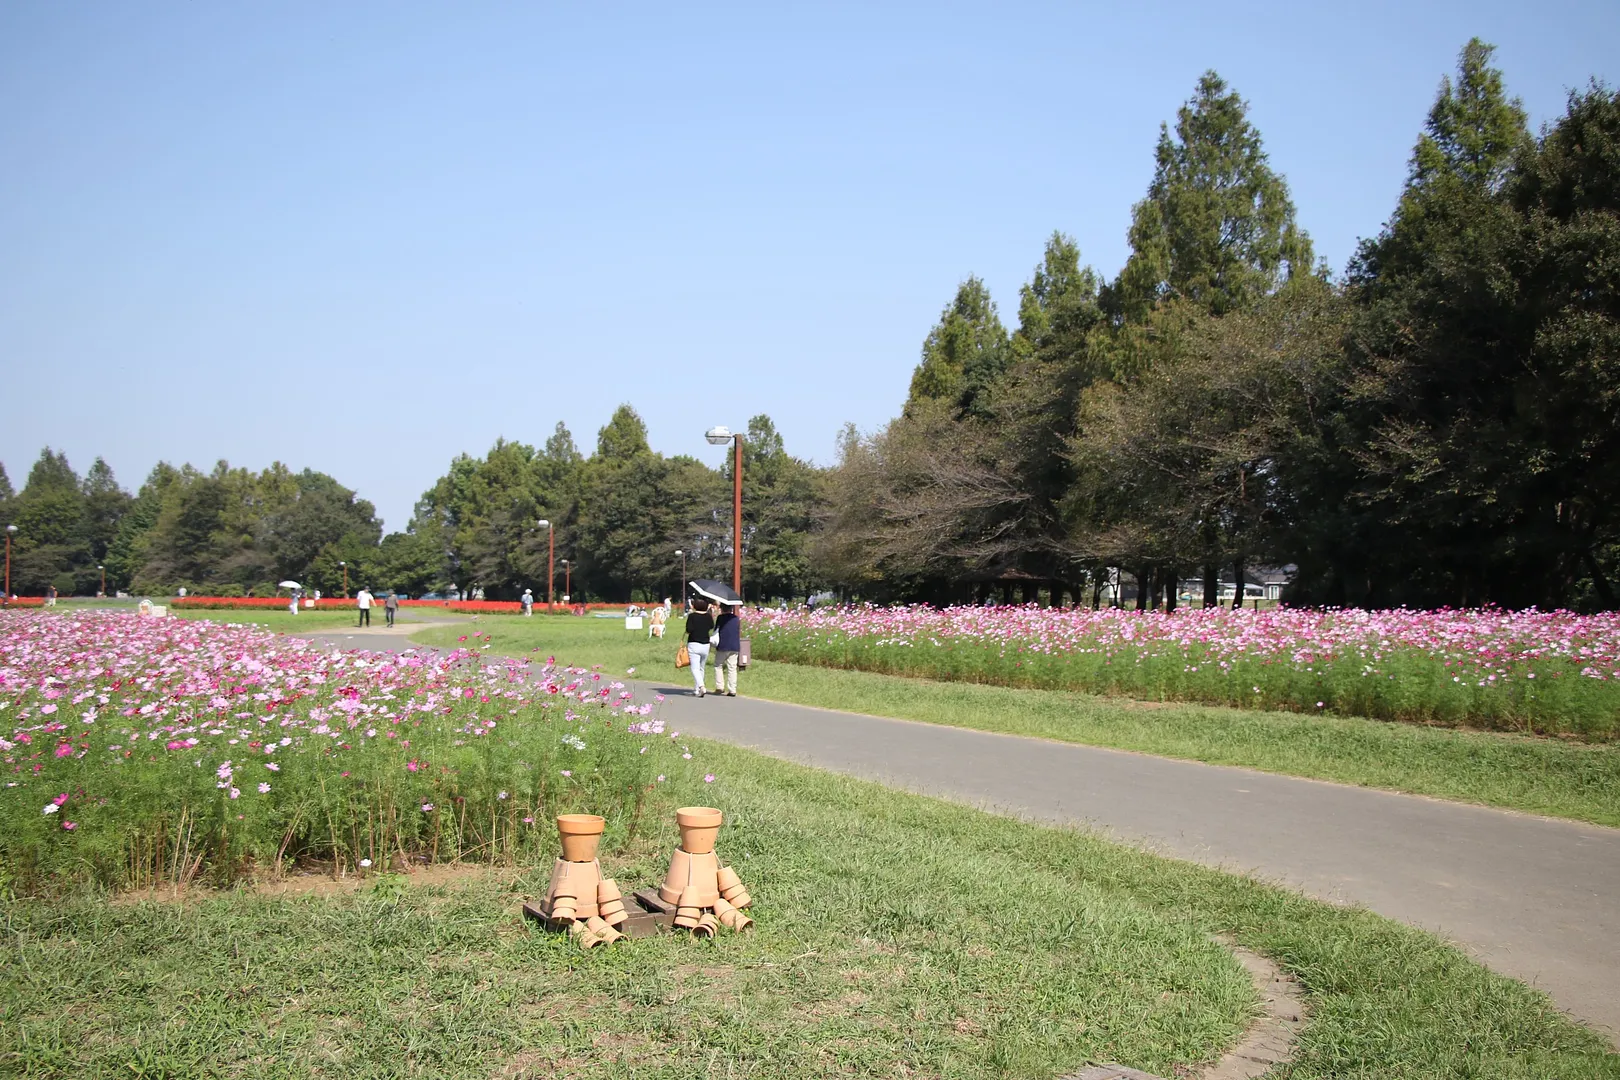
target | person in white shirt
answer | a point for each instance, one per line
(363, 598)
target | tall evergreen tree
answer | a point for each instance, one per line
(964, 354)
(1436, 340)
(1217, 227)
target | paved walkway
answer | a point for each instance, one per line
(1534, 898)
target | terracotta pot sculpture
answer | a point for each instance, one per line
(705, 894)
(578, 894)
(699, 826)
(581, 836)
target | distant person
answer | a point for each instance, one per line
(364, 599)
(527, 600)
(391, 607)
(292, 605)
(655, 622)
(699, 624)
(50, 596)
(729, 627)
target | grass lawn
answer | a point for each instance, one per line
(284, 621)
(1541, 776)
(280, 620)
(896, 936)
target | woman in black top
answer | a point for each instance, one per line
(699, 624)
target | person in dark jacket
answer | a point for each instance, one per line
(729, 627)
(699, 625)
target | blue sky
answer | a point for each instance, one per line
(363, 238)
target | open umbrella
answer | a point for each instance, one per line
(289, 585)
(718, 591)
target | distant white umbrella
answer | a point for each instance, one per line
(289, 585)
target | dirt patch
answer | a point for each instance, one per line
(312, 883)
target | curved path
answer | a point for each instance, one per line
(1534, 898)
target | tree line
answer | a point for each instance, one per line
(619, 516)
(1436, 426)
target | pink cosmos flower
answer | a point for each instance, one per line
(708, 778)
(64, 749)
(427, 808)
(568, 772)
(70, 825)
(264, 789)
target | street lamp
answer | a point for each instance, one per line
(103, 570)
(682, 590)
(551, 563)
(568, 580)
(345, 568)
(719, 436)
(11, 530)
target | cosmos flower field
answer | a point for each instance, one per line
(136, 752)
(1535, 672)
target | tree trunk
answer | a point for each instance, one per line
(1237, 581)
(1142, 577)
(1096, 591)
(1599, 582)
(1172, 585)
(1006, 593)
(1212, 584)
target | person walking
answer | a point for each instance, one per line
(390, 606)
(527, 600)
(699, 624)
(729, 627)
(363, 599)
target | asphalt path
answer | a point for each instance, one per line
(1534, 898)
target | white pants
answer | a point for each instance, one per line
(725, 670)
(700, 659)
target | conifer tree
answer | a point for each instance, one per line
(1217, 227)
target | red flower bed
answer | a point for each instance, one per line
(27, 601)
(338, 603)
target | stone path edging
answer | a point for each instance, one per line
(1269, 1042)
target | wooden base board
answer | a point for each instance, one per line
(644, 918)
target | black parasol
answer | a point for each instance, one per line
(718, 591)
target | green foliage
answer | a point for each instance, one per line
(1217, 227)
(619, 517)
(964, 354)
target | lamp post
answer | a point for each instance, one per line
(11, 530)
(719, 436)
(682, 588)
(551, 564)
(345, 568)
(568, 580)
(103, 570)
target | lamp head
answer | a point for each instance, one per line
(543, 523)
(718, 436)
(678, 551)
(11, 529)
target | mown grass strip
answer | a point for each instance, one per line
(897, 935)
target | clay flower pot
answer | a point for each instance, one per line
(699, 826)
(581, 836)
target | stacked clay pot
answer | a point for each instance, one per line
(578, 894)
(706, 895)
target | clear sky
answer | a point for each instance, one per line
(363, 238)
